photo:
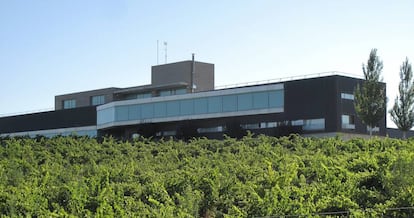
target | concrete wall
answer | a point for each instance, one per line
(204, 77)
(165, 74)
(181, 72)
(83, 99)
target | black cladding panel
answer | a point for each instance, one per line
(312, 99)
(77, 117)
(321, 98)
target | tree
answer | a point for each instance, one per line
(370, 99)
(402, 114)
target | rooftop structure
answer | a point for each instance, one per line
(167, 79)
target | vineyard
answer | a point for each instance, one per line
(252, 177)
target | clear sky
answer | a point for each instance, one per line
(54, 47)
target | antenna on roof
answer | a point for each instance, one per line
(165, 48)
(157, 52)
(193, 86)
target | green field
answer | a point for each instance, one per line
(252, 177)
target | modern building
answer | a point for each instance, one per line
(168, 79)
(181, 102)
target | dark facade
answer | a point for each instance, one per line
(70, 118)
(330, 97)
(316, 105)
(181, 102)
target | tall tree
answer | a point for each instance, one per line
(402, 113)
(370, 99)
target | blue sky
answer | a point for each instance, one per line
(54, 47)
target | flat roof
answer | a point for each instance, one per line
(88, 91)
(292, 78)
(145, 88)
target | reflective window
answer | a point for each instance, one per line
(67, 104)
(121, 113)
(130, 96)
(165, 93)
(348, 121)
(106, 116)
(297, 123)
(314, 124)
(211, 129)
(134, 112)
(160, 109)
(245, 102)
(147, 111)
(180, 91)
(347, 96)
(251, 126)
(98, 100)
(186, 107)
(53, 133)
(169, 133)
(138, 96)
(197, 106)
(144, 95)
(173, 92)
(229, 103)
(260, 100)
(276, 98)
(200, 106)
(271, 124)
(173, 108)
(214, 104)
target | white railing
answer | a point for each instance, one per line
(284, 79)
